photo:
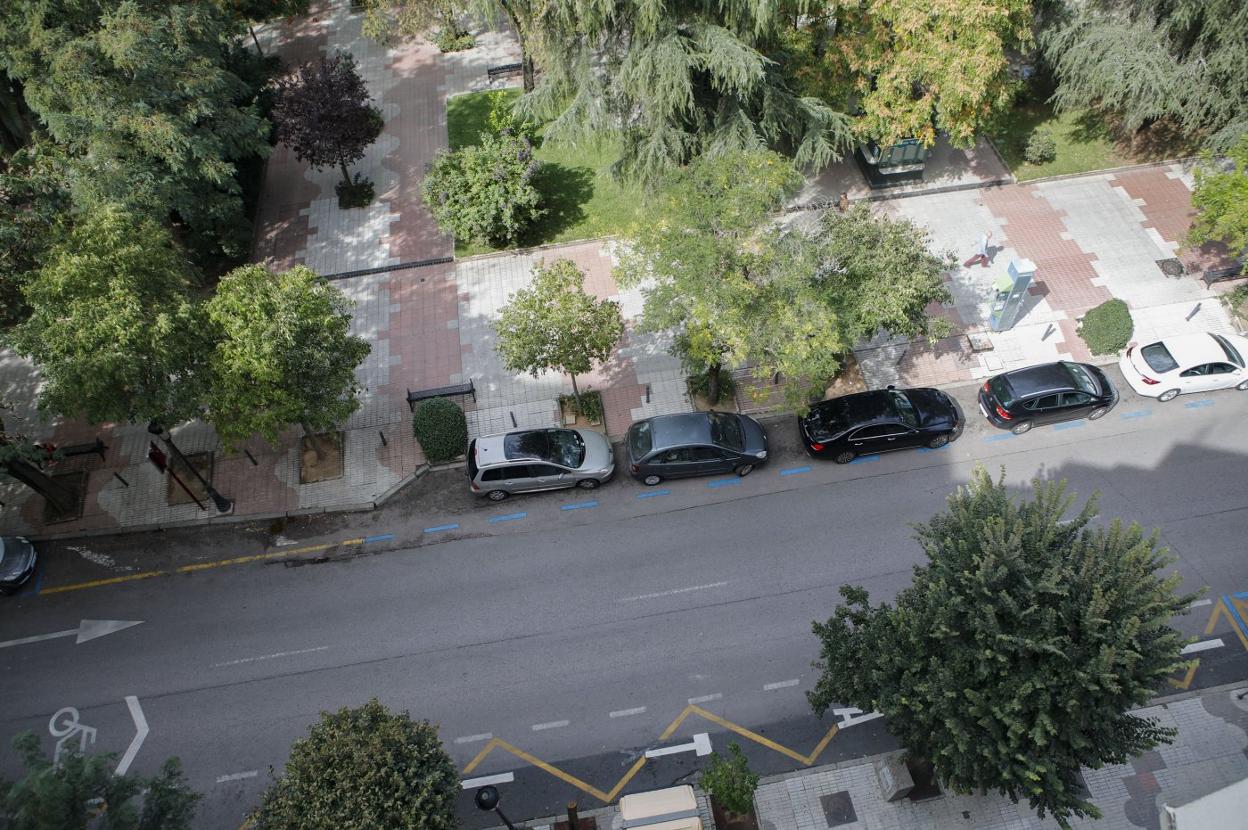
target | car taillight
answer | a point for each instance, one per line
(1149, 380)
(817, 447)
(987, 391)
(1007, 416)
(474, 486)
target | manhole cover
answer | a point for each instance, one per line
(1171, 267)
(838, 808)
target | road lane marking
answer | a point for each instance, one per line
(1070, 425)
(700, 746)
(238, 776)
(783, 684)
(96, 583)
(795, 471)
(509, 517)
(1205, 645)
(723, 482)
(472, 739)
(934, 449)
(865, 459)
(1200, 404)
(1139, 413)
(274, 656)
(694, 701)
(1201, 603)
(440, 528)
(653, 494)
(625, 713)
(86, 631)
(140, 734)
(674, 591)
(554, 724)
(579, 505)
(485, 780)
(380, 537)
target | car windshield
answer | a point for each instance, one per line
(1001, 390)
(1232, 354)
(640, 439)
(726, 430)
(566, 447)
(1083, 381)
(903, 409)
(1158, 358)
(558, 446)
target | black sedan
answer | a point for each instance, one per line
(17, 563)
(1046, 394)
(694, 444)
(885, 419)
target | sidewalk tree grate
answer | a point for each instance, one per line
(838, 808)
(1171, 267)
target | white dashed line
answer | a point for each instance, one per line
(554, 724)
(693, 701)
(472, 739)
(783, 684)
(237, 776)
(1201, 603)
(675, 591)
(501, 778)
(270, 656)
(1202, 646)
(624, 713)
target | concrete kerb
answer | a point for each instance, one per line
(1108, 170)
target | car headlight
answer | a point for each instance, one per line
(761, 454)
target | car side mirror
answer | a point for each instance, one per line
(891, 387)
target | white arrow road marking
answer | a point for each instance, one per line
(140, 732)
(854, 716)
(237, 776)
(86, 630)
(501, 778)
(700, 745)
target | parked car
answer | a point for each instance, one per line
(528, 460)
(17, 563)
(1187, 363)
(879, 421)
(695, 444)
(1046, 394)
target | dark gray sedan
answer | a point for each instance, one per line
(17, 563)
(694, 444)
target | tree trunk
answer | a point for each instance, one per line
(255, 39)
(712, 383)
(526, 60)
(56, 493)
(346, 177)
(576, 393)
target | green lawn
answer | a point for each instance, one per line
(1083, 143)
(582, 199)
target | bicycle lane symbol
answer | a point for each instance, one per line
(65, 725)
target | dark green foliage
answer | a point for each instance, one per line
(450, 39)
(730, 781)
(485, 192)
(34, 214)
(72, 795)
(440, 427)
(1015, 655)
(588, 405)
(1041, 147)
(724, 388)
(364, 768)
(1221, 201)
(1107, 328)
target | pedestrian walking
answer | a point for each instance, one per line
(981, 255)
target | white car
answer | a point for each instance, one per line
(1187, 363)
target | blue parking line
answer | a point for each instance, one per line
(38, 578)
(1003, 436)
(1070, 425)
(933, 449)
(580, 505)
(1203, 402)
(380, 537)
(1139, 413)
(654, 494)
(795, 471)
(1240, 595)
(440, 528)
(510, 517)
(865, 459)
(723, 482)
(1230, 607)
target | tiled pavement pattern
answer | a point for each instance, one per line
(1211, 751)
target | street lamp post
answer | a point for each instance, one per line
(487, 799)
(223, 504)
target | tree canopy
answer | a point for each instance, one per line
(364, 768)
(1014, 657)
(1221, 201)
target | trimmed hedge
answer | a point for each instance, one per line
(1107, 328)
(441, 429)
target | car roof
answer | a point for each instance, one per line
(1193, 349)
(862, 408)
(1047, 377)
(680, 429)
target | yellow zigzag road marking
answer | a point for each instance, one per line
(610, 795)
(1220, 609)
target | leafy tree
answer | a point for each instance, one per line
(249, 12)
(112, 326)
(363, 768)
(142, 99)
(34, 209)
(730, 781)
(1221, 202)
(920, 67)
(387, 20)
(555, 324)
(284, 354)
(484, 192)
(1149, 59)
(71, 796)
(324, 113)
(1014, 657)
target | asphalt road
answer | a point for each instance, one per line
(580, 635)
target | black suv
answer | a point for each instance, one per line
(1046, 394)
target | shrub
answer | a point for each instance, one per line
(590, 407)
(485, 192)
(730, 781)
(1041, 147)
(700, 384)
(441, 429)
(451, 40)
(1107, 328)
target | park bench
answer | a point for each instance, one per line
(96, 447)
(1218, 274)
(496, 72)
(416, 397)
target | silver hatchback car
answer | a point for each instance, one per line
(529, 460)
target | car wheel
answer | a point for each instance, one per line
(1168, 395)
(1099, 412)
(496, 495)
(744, 470)
(1243, 386)
(843, 457)
(588, 483)
(650, 481)
(1019, 429)
(938, 442)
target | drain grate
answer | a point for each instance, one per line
(1171, 267)
(838, 808)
